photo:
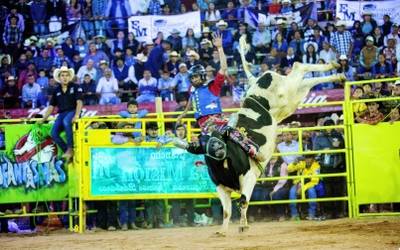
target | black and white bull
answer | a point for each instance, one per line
(269, 99)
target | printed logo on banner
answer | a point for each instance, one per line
(138, 30)
(347, 14)
(35, 164)
(369, 7)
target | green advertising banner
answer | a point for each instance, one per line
(30, 169)
(144, 170)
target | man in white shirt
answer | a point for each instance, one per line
(327, 53)
(108, 89)
(288, 145)
(87, 69)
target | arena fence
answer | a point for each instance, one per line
(375, 155)
(104, 171)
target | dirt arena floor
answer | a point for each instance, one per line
(380, 233)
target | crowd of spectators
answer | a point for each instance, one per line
(113, 66)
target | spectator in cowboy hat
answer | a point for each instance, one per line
(68, 97)
(368, 24)
(227, 38)
(192, 58)
(342, 40)
(206, 50)
(10, 93)
(173, 63)
(175, 39)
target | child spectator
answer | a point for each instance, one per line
(372, 116)
(133, 111)
(367, 91)
(382, 68)
(307, 166)
(43, 82)
(182, 100)
(147, 88)
(394, 115)
(359, 107)
(166, 87)
(89, 91)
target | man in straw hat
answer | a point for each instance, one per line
(68, 98)
(342, 40)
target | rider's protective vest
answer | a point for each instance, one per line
(205, 102)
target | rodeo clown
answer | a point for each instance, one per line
(68, 98)
(208, 112)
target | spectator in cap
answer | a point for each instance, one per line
(156, 58)
(341, 40)
(175, 40)
(147, 88)
(368, 56)
(136, 70)
(345, 68)
(181, 80)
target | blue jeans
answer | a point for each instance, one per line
(311, 193)
(111, 100)
(63, 123)
(127, 212)
(145, 98)
(89, 28)
(100, 27)
(39, 28)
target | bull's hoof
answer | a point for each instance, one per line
(335, 65)
(220, 234)
(243, 229)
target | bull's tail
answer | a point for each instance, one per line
(243, 49)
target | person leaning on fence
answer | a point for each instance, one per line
(306, 167)
(372, 115)
(68, 97)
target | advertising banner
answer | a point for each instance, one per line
(350, 11)
(145, 170)
(145, 28)
(30, 167)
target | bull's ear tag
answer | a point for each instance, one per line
(264, 81)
